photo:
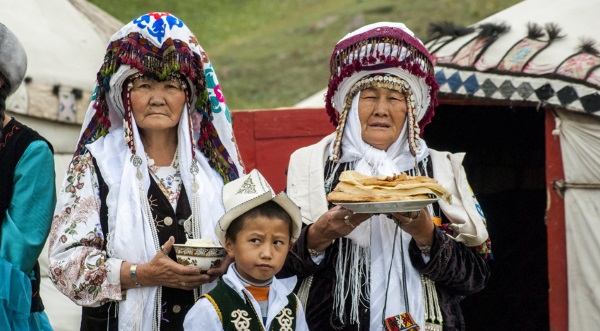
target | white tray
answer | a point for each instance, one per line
(386, 206)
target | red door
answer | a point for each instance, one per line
(267, 138)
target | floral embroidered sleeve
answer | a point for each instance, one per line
(78, 265)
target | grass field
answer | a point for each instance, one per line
(275, 53)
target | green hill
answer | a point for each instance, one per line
(275, 53)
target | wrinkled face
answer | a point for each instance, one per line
(260, 248)
(382, 113)
(156, 105)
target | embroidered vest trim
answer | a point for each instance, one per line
(237, 314)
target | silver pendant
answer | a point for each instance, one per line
(187, 227)
(136, 160)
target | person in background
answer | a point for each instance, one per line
(257, 230)
(27, 199)
(379, 271)
(155, 150)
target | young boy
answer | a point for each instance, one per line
(257, 230)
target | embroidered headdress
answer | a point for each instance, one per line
(160, 46)
(381, 55)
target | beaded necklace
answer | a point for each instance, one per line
(168, 177)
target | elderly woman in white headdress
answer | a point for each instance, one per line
(155, 150)
(383, 271)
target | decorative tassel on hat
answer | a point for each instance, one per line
(174, 57)
(346, 61)
(380, 81)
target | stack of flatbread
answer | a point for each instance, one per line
(356, 187)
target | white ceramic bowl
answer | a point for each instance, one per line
(198, 256)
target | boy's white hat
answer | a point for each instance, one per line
(249, 191)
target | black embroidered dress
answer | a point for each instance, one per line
(175, 302)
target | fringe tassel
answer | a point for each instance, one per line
(157, 310)
(137, 52)
(139, 315)
(137, 162)
(353, 263)
(212, 147)
(196, 219)
(304, 290)
(433, 314)
(116, 313)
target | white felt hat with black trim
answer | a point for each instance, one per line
(247, 192)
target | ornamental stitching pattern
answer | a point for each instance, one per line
(240, 320)
(285, 319)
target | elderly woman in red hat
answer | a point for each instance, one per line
(378, 271)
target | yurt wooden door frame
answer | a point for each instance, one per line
(555, 222)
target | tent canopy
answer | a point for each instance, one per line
(530, 52)
(65, 43)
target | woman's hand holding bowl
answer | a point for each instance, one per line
(163, 271)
